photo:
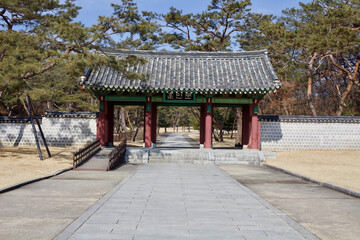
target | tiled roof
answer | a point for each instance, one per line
(320, 119)
(240, 72)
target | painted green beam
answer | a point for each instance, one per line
(157, 98)
(129, 103)
(179, 104)
(126, 98)
(224, 100)
(160, 99)
(200, 99)
(228, 105)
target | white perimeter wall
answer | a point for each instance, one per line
(57, 131)
(275, 136)
(285, 136)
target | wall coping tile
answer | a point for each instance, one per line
(315, 119)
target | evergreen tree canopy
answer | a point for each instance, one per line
(310, 44)
(36, 36)
(211, 30)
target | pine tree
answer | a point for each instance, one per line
(37, 36)
(211, 30)
(312, 46)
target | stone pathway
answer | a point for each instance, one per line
(177, 140)
(182, 201)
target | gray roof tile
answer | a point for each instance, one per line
(189, 71)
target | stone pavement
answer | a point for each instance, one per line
(43, 209)
(177, 140)
(182, 201)
(327, 213)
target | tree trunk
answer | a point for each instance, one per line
(232, 129)
(123, 122)
(215, 137)
(25, 107)
(238, 117)
(48, 105)
(136, 133)
(221, 133)
(309, 85)
(352, 80)
(285, 109)
(128, 120)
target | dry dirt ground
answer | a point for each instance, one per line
(19, 164)
(341, 168)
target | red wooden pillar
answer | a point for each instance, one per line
(255, 128)
(202, 124)
(110, 123)
(147, 123)
(246, 129)
(251, 126)
(208, 123)
(105, 123)
(153, 123)
(101, 131)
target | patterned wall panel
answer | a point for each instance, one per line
(60, 129)
(280, 133)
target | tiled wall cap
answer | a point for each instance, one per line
(5, 119)
(60, 114)
(323, 119)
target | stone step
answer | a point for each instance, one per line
(196, 156)
(180, 161)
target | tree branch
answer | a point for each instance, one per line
(338, 66)
(175, 27)
(2, 55)
(6, 19)
(32, 74)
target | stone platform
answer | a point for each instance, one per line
(197, 156)
(179, 148)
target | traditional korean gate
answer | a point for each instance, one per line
(199, 79)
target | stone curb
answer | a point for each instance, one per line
(300, 229)
(13, 187)
(325, 184)
(75, 225)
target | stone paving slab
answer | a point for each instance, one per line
(326, 213)
(44, 209)
(177, 140)
(182, 201)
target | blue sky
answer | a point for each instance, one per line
(93, 8)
